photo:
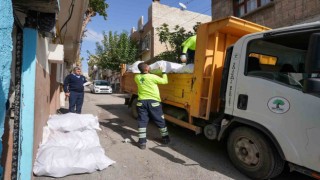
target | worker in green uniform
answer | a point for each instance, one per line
(188, 50)
(149, 104)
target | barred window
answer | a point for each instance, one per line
(242, 7)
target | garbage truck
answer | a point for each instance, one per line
(254, 88)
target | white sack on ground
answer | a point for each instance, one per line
(63, 154)
(73, 140)
(62, 161)
(73, 122)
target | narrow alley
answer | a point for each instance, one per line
(187, 156)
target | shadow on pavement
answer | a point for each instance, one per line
(207, 154)
(211, 155)
(117, 125)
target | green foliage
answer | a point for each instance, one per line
(115, 49)
(100, 7)
(167, 55)
(173, 40)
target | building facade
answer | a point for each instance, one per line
(159, 14)
(270, 13)
(36, 51)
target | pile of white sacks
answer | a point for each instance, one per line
(168, 67)
(70, 145)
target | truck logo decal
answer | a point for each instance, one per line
(278, 105)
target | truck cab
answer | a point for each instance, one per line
(271, 118)
(255, 88)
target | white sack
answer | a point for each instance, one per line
(134, 67)
(74, 139)
(73, 122)
(165, 66)
(63, 154)
(185, 69)
(168, 67)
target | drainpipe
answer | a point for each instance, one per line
(28, 77)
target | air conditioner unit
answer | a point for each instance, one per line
(56, 53)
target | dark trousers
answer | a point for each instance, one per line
(150, 109)
(76, 101)
(190, 55)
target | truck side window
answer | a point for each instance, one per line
(275, 62)
(253, 64)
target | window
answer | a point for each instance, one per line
(280, 58)
(265, 59)
(146, 41)
(242, 7)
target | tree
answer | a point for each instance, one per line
(173, 40)
(95, 6)
(115, 50)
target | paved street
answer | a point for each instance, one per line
(186, 157)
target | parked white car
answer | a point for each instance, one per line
(100, 86)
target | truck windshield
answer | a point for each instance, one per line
(280, 58)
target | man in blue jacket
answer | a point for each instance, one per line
(74, 89)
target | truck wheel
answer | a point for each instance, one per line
(211, 131)
(253, 155)
(134, 112)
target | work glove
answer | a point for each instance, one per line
(162, 69)
(183, 58)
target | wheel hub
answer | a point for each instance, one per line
(247, 152)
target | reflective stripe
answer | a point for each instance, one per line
(155, 104)
(162, 116)
(142, 135)
(142, 130)
(139, 104)
(164, 133)
(163, 129)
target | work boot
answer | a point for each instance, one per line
(142, 145)
(165, 139)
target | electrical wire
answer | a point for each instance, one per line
(93, 35)
(65, 24)
(201, 13)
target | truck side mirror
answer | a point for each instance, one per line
(313, 54)
(312, 85)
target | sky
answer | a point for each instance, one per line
(123, 15)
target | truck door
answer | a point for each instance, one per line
(269, 93)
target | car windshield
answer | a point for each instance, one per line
(102, 83)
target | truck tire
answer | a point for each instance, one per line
(253, 154)
(134, 112)
(211, 131)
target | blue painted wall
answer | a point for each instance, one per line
(6, 24)
(27, 102)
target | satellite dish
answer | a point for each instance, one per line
(182, 6)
